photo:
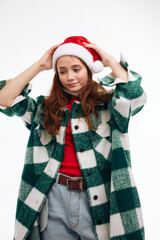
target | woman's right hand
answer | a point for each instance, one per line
(45, 61)
(14, 87)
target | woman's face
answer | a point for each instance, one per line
(72, 73)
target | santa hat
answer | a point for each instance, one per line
(75, 46)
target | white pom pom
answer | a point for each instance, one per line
(97, 66)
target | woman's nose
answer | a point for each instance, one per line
(70, 75)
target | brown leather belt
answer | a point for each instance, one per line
(72, 184)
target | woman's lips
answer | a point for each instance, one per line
(72, 84)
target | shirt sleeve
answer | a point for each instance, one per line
(23, 106)
(129, 97)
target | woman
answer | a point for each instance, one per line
(77, 180)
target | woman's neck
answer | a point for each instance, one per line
(74, 94)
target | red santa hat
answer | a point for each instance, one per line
(75, 46)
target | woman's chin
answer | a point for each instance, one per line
(74, 90)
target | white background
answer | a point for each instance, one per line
(29, 27)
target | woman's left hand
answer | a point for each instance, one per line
(105, 57)
(109, 61)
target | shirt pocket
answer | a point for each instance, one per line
(102, 124)
(40, 148)
(101, 140)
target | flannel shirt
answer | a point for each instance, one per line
(103, 155)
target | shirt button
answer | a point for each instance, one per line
(89, 173)
(95, 197)
(81, 149)
(76, 127)
(99, 222)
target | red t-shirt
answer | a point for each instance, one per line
(70, 165)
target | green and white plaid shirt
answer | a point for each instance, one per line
(103, 155)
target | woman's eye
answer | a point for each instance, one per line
(76, 69)
(62, 72)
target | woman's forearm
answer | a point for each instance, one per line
(117, 69)
(15, 86)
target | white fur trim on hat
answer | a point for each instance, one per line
(77, 51)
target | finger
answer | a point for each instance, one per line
(53, 48)
(90, 45)
(95, 47)
(90, 42)
(56, 45)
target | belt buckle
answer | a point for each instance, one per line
(80, 184)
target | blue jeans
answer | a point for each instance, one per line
(69, 215)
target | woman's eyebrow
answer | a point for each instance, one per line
(75, 65)
(61, 67)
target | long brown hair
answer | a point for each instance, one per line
(90, 96)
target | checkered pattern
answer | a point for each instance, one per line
(103, 155)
